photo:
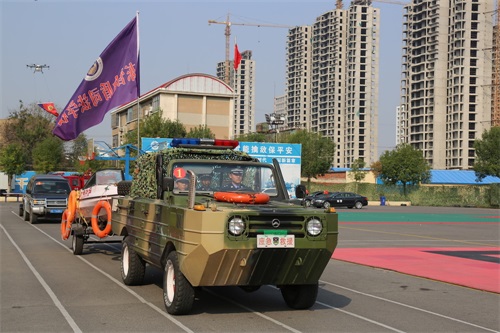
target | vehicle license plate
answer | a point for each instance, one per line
(56, 211)
(275, 241)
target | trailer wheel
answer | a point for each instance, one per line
(300, 296)
(77, 244)
(178, 293)
(133, 267)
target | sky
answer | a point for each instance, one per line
(175, 39)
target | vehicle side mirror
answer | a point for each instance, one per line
(168, 183)
(300, 191)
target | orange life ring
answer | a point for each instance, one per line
(65, 225)
(242, 197)
(72, 199)
(95, 219)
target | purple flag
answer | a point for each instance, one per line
(112, 80)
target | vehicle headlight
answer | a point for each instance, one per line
(236, 226)
(314, 226)
(38, 202)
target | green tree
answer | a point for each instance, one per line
(78, 149)
(155, 126)
(12, 161)
(376, 168)
(488, 154)
(356, 171)
(317, 153)
(201, 132)
(28, 126)
(405, 165)
(48, 155)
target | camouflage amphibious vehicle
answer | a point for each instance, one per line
(218, 228)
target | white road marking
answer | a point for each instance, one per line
(410, 307)
(49, 291)
(119, 283)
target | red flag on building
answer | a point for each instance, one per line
(50, 108)
(237, 57)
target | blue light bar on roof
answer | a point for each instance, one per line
(208, 143)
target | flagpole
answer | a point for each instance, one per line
(138, 88)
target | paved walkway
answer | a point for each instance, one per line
(468, 253)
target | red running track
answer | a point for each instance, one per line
(477, 268)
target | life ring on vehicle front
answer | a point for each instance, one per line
(242, 197)
(73, 197)
(95, 219)
(65, 225)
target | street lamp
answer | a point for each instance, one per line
(274, 120)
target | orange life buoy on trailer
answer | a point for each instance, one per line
(73, 197)
(242, 197)
(95, 219)
(65, 225)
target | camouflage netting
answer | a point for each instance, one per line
(144, 183)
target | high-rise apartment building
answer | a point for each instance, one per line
(298, 77)
(446, 79)
(332, 79)
(243, 83)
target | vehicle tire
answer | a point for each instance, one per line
(300, 297)
(133, 267)
(123, 187)
(77, 244)
(178, 294)
(358, 205)
(26, 216)
(326, 204)
(33, 218)
(308, 203)
(21, 210)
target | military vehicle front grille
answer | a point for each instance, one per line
(56, 203)
(293, 224)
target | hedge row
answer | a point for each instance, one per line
(487, 196)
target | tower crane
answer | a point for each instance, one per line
(227, 32)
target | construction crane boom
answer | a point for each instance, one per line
(227, 33)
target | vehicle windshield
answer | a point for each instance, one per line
(52, 186)
(105, 177)
(220, 176)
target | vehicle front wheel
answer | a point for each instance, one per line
(77, 244)
(358, 205)
(33, 218)
(178, 293)
(300, 297)
(326, 204)
(133, 267)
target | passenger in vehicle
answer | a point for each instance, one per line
(236, 177)
(182, 184)
(206, 183)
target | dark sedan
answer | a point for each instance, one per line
(310, 197)
(340, 199)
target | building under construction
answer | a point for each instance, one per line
(447, 79)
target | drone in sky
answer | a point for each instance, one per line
(37, 68)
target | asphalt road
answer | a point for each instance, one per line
(45, 288)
